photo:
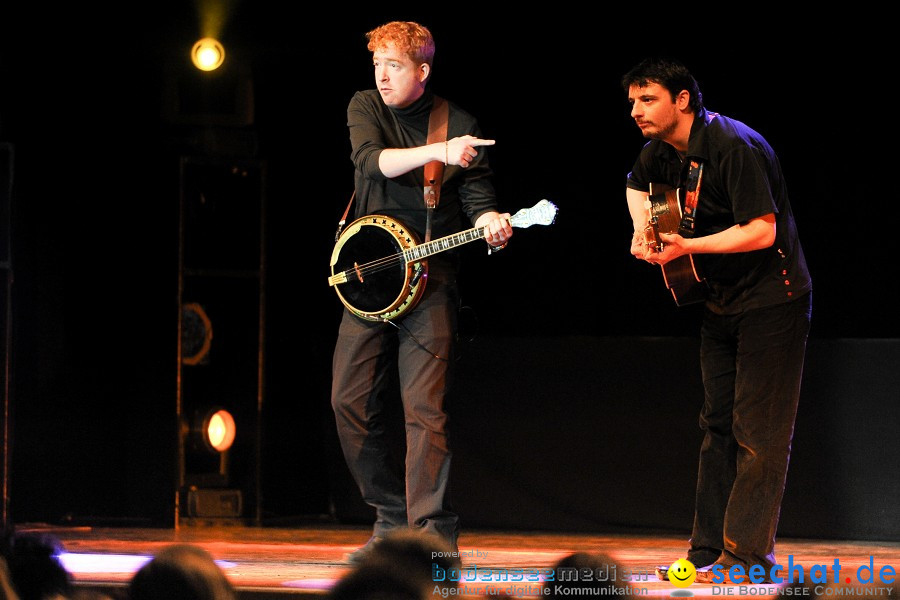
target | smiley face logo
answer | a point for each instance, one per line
(682, 573)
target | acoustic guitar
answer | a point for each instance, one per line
(681, 275)
(379, 268)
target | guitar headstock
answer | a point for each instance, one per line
(542, 213)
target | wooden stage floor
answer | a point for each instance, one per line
(305, 561)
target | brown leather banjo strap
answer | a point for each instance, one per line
(434, 170)
(343, 221)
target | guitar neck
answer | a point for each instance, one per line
(427, 249)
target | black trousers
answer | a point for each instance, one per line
(752, 365)
(422, 352)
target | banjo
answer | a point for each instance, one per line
(378, 266)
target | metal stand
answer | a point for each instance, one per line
(6, 189)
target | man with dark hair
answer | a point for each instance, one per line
(738, 228)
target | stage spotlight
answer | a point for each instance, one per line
(208, 54)
(206, 477)
(218, 430)
(212, 430)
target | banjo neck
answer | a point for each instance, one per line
(426, 249)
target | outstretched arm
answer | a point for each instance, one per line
(458, 151)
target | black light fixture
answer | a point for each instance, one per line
(221, 333)
(208, 438)
(212, 429)
(196, 334)
(207, 432)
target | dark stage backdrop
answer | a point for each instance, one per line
(586, 433)
(589, 363)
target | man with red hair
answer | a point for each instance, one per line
(389, 128)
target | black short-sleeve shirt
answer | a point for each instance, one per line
(742, 180)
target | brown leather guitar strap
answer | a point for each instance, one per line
(434, 170)
(695, 178)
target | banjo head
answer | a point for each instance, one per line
(381, 283)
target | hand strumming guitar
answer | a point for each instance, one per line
(644, 244)
(673, 246)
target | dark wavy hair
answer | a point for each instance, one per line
(667, 72)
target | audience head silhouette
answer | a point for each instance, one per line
(399, 567)
(415, 552)
(181, 572)
(584, 573)
(370, 581)
(35, 569)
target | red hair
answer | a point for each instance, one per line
(406, 36)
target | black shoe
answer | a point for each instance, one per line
(703, 557)
(360, 554)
